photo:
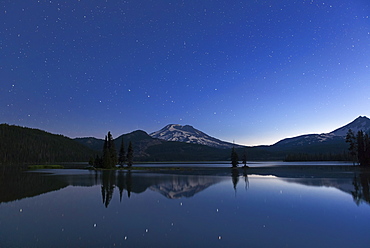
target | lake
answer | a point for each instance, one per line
(257, 207)
(250, 164)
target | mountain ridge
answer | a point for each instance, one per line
(188, 134)
(147, 148)
(26, 145)
(31, 145)
(360, 123)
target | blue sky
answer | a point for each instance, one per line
(250, 71)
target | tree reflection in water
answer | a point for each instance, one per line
(361, 183)
(107, 187)
(169, 185)
(110, 180)
(245, 175)
(128, 183)
(235, 177)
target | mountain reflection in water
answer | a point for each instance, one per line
(16, 184)
(356, 184)
(280, 208)
(171, 186)
(184, 186)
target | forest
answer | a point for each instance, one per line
(20, 145)
(297, 157)
(359, 147)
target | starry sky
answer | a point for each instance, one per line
(250, 71)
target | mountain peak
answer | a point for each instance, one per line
(179, 127)
(188, 134)
(360, 123)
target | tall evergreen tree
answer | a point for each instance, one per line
(244, 158)
(366, 157)
(351, 139)
(234, 158)
(130, 155)
(106, 156)
(109, 159)
(360, 148)
(98, 162)
(121, 154)
(112, 150)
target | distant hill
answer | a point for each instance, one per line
(92, 143)
(327, 144)
(174, 143)
(185, 143)
(21, 145)
(140, 140)
(147, 148)
(188, 134)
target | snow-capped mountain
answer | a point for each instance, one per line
(188, 134)
(184, 186)
(338, 135)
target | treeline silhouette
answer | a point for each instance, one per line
(21, 145)
(301, 157)
(359, 147)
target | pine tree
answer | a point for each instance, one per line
(121, 154)
(244, 158)
(98, 162)
(234, 158)
(91, 161)
(360, 148)
(106, 155)
(130, 155)
(351, 139)
(112, 150)
(109, 159)
(366, 161)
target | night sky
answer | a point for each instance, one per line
(250, 71)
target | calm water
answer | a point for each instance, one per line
(250, 164)
(77, 208)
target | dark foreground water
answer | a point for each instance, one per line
(77, 208)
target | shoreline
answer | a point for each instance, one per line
(289, 171)
(286, 170)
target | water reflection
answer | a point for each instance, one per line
(235, 177)
(179, 186)
(15, 184)
(246, 181)
(206, 215)
(361, 183)
(174, 186)
(107, 187)
(171, 186)
(110, 180)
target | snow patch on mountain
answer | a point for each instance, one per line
(188, 134)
